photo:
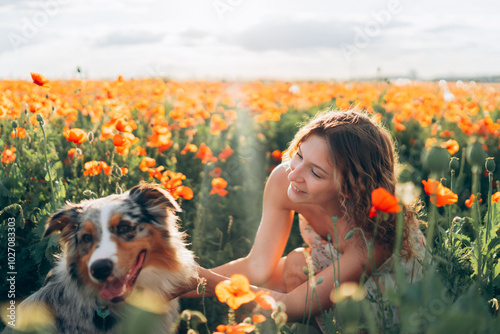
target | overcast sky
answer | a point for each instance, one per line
(249, 39)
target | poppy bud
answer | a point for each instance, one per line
(475, 154)
(454, 164)
(490, 165)
(39, 118)
(437, 159)
(349, 235)
(14, 124)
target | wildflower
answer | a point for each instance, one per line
(219, 187)
(451, 145)
(439, 194)
(235, 291)
(217, 124)
(76, 135)
(146, 163)
(216, 172)
(276, 155)
(184, 192)
(92, 168)
(205, 154)
(241, 328)
(384, 201)
(189, 148)
(265, 300)
(226, 153)
(8, 155)
(74, 153)
(470, 201)
(19, 133)
(495, 197)
(258, 318)
(347, 290)
(139, 151)
(123, 125)
(40, 80)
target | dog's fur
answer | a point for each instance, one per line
(105, 241)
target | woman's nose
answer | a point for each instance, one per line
(295, 174)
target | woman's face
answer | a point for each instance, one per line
(313, 177)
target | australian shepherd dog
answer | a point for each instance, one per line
(114, 247)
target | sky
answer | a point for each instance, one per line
(249, 39)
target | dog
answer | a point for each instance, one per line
(114, 247)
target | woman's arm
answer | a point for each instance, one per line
(272, 235)
(352, 265)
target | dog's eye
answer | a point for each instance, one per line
(87, 238)
(123, 228)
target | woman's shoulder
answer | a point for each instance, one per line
(277, 186)
(280, 172)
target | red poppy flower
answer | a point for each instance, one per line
(384, 201)
(439, 194)
(40, 80)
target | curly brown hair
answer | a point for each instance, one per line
(365, 154)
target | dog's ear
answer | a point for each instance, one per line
(154, 200)
(64, 220)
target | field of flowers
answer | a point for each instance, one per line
(212, 145)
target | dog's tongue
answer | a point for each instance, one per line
(118, 287)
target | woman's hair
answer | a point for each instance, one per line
(364, 153)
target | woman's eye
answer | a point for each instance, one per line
(316, 175)
(87, 238)
(298, 154)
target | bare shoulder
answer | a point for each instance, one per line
(277, 185)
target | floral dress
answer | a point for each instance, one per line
(323, 254)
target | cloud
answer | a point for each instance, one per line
(130, 38)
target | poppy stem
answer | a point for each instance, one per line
(47, 167)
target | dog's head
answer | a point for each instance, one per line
(110, 240)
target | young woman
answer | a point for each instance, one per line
(330, 170)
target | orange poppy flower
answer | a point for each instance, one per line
(139, 151)
(219, 187)
(235, 291)
(124, 125)
(495, 197)
(184, 192)
(384, 201)
(240, 328)
(40, 80)
(277, 155)
(76, 135)
(146, 163)
(205, 154)
(439, 194)
(451, 145)
(8, 155)
(224, 155)
(265, 300)
(258, 318)
(470, 201)
(124, 170)
(73, 153)
(189, 148)
(20, 132)
(217, 124)
(92, 168)
(216, 172)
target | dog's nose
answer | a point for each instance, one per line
(101, 269)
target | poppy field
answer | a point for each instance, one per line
(212, 146)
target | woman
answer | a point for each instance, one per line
(330, 170)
